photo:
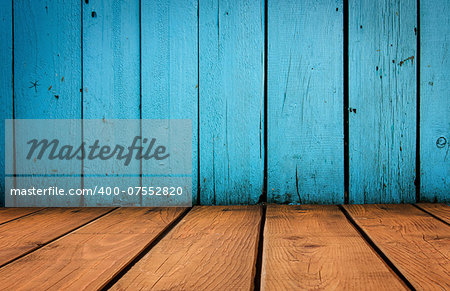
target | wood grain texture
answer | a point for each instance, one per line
(7, 214)
(111, 59)
(231, 101)
(434, 101)
(315, 247)
(212, 248)
(90, 256)
(439, 210)
(111, 88)
(47, 59)
(382, 101)
(28, 233)
(305, 102)
(415, 242)
(47, 74)
(6, 84)
(169, 56)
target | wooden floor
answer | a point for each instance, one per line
(273, 247)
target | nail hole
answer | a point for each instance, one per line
(441, 142)
(94, 14)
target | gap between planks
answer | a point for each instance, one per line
(131, 265)
(414, 241)
(24, 235)
(439, 211)
(91, 256)
(10, 214)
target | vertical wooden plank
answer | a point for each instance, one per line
(47, 70)
(305, 100)
(231, 101)
(6, 90)
(382, 101)
(434, 100)
(47, 59)
(111, 59)
(170, 66)
(111, 83)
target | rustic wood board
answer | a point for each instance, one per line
(434, 101)
(89, 257)
(28, 233)
(305, 102)
(315, 247)
(169, 57)
(47, 83)
(439, 210)
(7, 214)
(111, 90)
(415, 242)
(47, 59)
(211, 248)
(6, 83)
(231, 101)
(382, 101)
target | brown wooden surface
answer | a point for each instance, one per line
(439, 210)
(416, 243)
(215, 248)
(30, 232)
(7, 214)
(212, 248)
(90, 256)
(315, 247)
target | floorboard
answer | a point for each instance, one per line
(212, 248)
(415, 242)
(25, 234)
(441, 211)
(315, 247)
(8, 214)
(91, 256)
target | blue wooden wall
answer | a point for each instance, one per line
(274, 89)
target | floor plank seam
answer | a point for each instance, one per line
(376, 249)
(56, 238)
(144, 251)
(259, 257)
(431, 214)
(25, 215)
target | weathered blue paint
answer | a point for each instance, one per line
(204, 60)
(170, 66)
(231, 54)
(6, 90)
(382, 101)
(47, 65)
(435, 100)
(305, 102)
(111, 81)
(47, 59)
